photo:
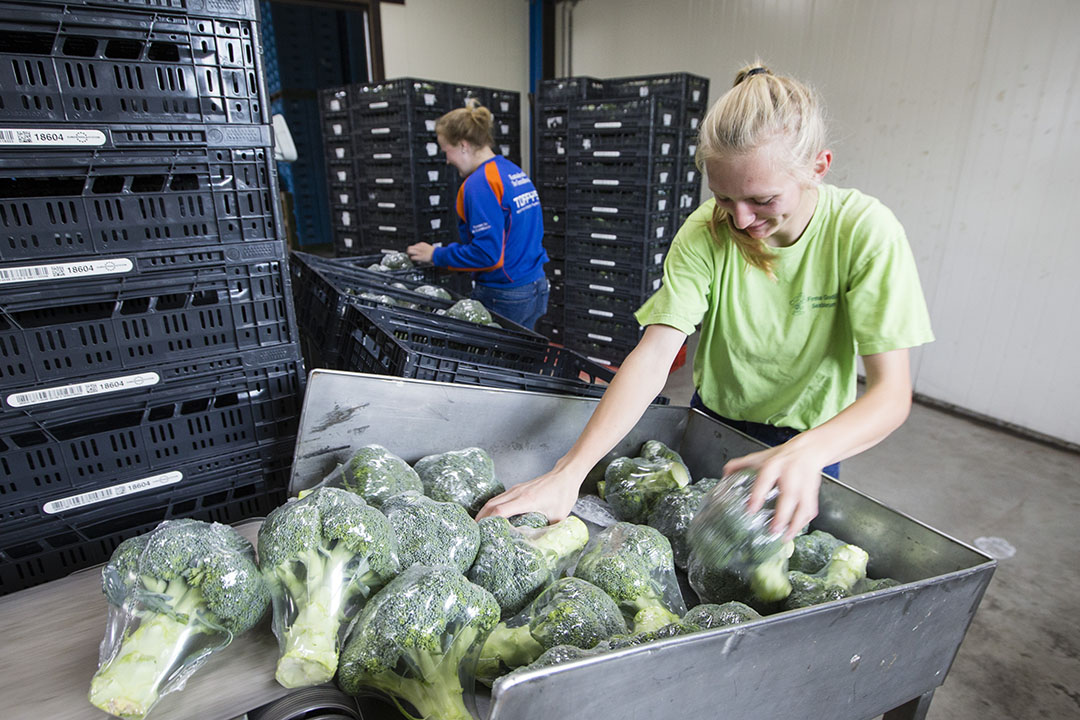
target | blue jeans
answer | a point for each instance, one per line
(768, 434)
(524, 304)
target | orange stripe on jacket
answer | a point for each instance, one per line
(494, 180)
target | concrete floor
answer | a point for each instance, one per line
(1021, 655)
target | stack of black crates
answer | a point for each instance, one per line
(388, 181)
(149, 363)
(616, 175)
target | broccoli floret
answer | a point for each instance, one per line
(723, 535)
(673, 629)
(430, 532)
(763, 588)
(396, 260)
(633, 564)
(570, 611)
(471, 310)
(375, 474)
(711, 615)
(846, 568)
(632, 486)
(322, 556)
(466, 477)
(813, 551)
(870, 585)
(673, 513)
(184, 580)
(530, 519)
(433, 291)
(412, 637)
(515, 564)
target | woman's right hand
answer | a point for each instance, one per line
(553, 493)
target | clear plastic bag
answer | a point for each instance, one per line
(633, 486)
(674, 512)
(375, 474)
(634, 565)
(466, 477)
(430, 532)
(418, 640)
(176, 595)
(470, 310)
(323, 556)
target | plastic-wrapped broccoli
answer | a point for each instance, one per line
(515, 564)
(633, 564)
(837, 579)
(377, 267)
(322, 555)
(813, 551)
(396, 260)
(380, 298)
(530, 519)
(632, 486)
(673, 513)
(711, 615)
(642, 637)
(723, 536)
(466, 477)
(471, 310)
(433, 291)
(375, 474)
(176, 595)
(412, 639)
(430, 532)
(570, 611)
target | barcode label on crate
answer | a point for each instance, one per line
(505, 149)
(607, 125)
(663, 177)
(604, 263)
(434, 200)
(656, 284)
(342, 176)
(599, 360)
(50, 137)
(346, 218)
(600, 181)
(433, 175)
(601, 313)
(661, 205)
(65, 271)
(606, 210)
(602, 288)
(660, 232)
(387, 206)
(436, 224)
(504, 106)
(383, 156)
(696, 95)
(597, 336)
(379, 105)
(693, 123)
(110, 493)
(335, 105)
(504, 129)
(691, 150)
(432, 149)
(429, 98)
(384, 181)
(348, 242)
(81, 390)
(338, 130)
(603, 236)
(667, 119)
(339, 153)
(665, 148)
(380, 131)
(607, 153)
(388, 228)
(344, 198)
(658, 258)
(430, 125)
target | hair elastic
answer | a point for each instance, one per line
(755, 71)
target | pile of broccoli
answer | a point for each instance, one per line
(176, 595)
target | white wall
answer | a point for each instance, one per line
(964, 118)
(468, 42)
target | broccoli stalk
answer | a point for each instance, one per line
(507, 646)
(769, 578)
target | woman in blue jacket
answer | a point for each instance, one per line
(500, 221)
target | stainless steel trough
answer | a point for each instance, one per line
(853, 659)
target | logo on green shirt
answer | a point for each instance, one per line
(814, 302)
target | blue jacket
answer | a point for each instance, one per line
(501, 226)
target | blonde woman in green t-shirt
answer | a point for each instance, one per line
(791, 281)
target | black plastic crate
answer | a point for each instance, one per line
(582, 249)
(42, 139)
(65, 205)
(693, 89)
(618, 329)
(622, 172)
(227, 489)
(607, 354)
(348, 242)
(571, 88)
(334, 102)
(553, 146)
(93, 445)
(64, 63)
(505, 102)
(424, 92)
(553, 117)
(584, 197)
(243, 9)
(634, 143)
(48, 331)
(555, 269)
(413, 176)
(555, 245)
(397, 115)
(601, 303)
(422, 220)
(383, 344)
(655, 112)
(622, 226)
(642, 283)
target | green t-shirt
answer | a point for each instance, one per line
(784, 352)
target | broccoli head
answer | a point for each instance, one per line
(322, 556)
(570, 611)
(870, 585)
(763, 588)
(846, 567)
(412, 637)
(430, 532)
(432, 291)
(470, 310)
(515, 564)
(375, 474)
(673, 629)
(180, 592)
(530, 519)
(466, 477)
(633, 564)
(711, 615)
(674, 510)
(632, 486)
(813, 551)
(396, 260)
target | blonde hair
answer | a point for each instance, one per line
(759, 107)
(472, 123)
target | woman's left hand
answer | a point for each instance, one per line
(795, 469)
(420, 252)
